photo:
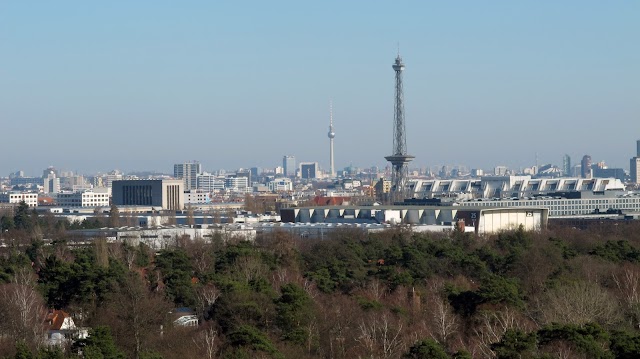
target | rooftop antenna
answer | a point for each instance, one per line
(331, 113)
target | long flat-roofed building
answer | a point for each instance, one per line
(97, 197)
(563, 197)
(569, 204)
(471, 219)
(161, 193)
(509, 186)
(31, 199)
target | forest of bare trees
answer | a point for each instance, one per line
(560, 293)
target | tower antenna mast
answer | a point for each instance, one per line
(399, 159)
(331, 136)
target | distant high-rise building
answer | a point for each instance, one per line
(634, 167)
(289, 165)
(236, 183)
(247, 174)
(50, 171)
(605, 172)
(382, 188)
(444, 172)
(586, 167)
(576, 171)
(17, 174)
(114, 175)
(188, 172)
(566, 165)
(500, 170)
(309, 170)
(165, 194)
(50, 180)
(634, 170)
(210, 183)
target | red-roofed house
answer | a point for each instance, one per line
(61, 329)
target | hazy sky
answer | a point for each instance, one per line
(91, 86)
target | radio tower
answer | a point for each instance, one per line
(399, 159)
(331, 136)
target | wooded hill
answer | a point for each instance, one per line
(561, 293)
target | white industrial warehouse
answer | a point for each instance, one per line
(478, 220)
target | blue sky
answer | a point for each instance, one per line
(91, 86)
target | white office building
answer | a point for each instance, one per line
(210, 183)
(280, 185)
(237, 184)
(635, 170)
(112, 176)
(97, 197)
(31, 199)
(196, 196)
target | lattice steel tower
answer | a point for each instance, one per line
(399, 159)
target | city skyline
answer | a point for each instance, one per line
(434, 169)
(93, 87)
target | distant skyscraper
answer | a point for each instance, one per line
(245, 173)
(167, 194)
(50, 171)
(309, 170)
(477, 172)
(255, 172)
(50, 180)
(289, 165)
(399, 159)
(114, 175)
(331, 135)
(586, 166)
(566, 165)
(188, 172)
(634, 168)
(500, 170)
